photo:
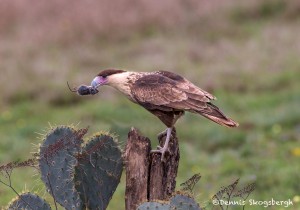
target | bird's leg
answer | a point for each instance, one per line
(163, 149)
(161, 134)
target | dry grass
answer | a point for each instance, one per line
(44, 44)
(64, 20)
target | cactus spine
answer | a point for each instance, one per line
(29, 201)
(98, 171)
(57, 163)
(80, 177)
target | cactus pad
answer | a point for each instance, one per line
(154, 206)
(29, 201)
(57, 165)
(177, 202)
(98, 171)
(183, 202)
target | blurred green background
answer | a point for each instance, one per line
(247, 53)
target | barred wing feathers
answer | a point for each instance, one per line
(166, 91)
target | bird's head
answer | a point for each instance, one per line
(103, 77)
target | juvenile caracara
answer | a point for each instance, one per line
(164, 94)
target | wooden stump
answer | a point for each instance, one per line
(137, 169)
(147, 177)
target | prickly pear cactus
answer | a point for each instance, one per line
(28, 201)
(183, 202)
(98, 171)
(177, 202)
(154, 206)
(57, 163)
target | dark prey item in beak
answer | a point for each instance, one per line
(84, 90)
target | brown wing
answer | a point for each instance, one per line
(160, 92)
(193, 90)
(167, 91)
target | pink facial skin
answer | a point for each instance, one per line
(98, 81)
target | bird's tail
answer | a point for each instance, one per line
(213, 113)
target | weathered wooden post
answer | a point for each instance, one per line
(147, 177)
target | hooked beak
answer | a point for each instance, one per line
(97, 81)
